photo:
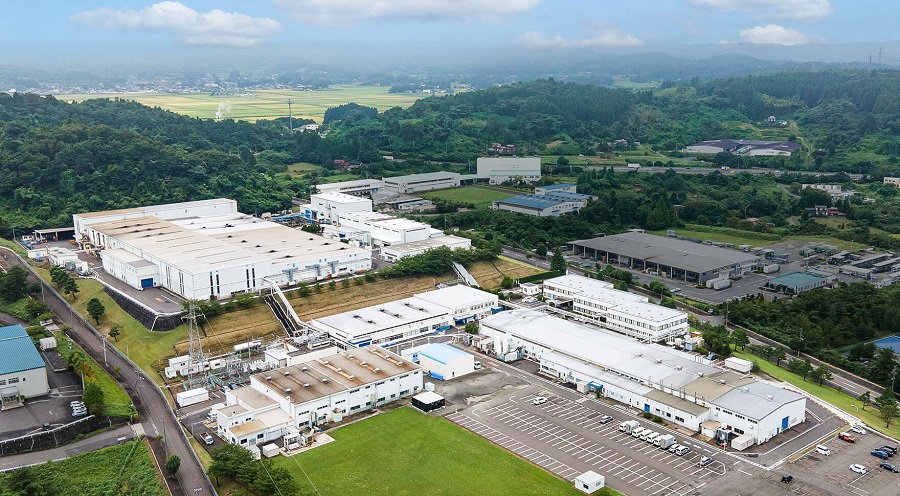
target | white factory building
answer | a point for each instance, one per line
(206, 249)
(23, 373)
(288, 402)
(360, 187)
(386, 229)
(408, 318)
(444, 362)
(503, 169)
(416, 183)
(620, 311)
(325, 208)
(681, 388)
(392, 253)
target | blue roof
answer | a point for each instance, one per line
(557, 186)
(891, 342)
(17, 351)
(565, 195)
(440, 352)
(795, 279)
(533, 201)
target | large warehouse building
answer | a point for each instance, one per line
(400, 320)
(359, 187)
(284, 402)
(501, 170)
(681, 388)
(620, 311)
(23, 373)
(327, 207)
(428, 181)
(208, 249)
(678, 259)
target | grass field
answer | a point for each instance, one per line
(840, 400)
(264, 104)
(407, 453)
(115, 399)
(121, 469)
(721, 238)
(479, 196)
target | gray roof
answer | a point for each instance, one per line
(710, 387)
(17, 351)
(671, 252)
(601, 348)
(425, 176)
(753, 400)
(676, 402)
(539, 202)
(550, 187)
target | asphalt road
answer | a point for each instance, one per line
(95, 442)
(156, 416)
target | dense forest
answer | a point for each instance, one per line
(59, 158)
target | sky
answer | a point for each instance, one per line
(81, 29)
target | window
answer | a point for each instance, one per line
(13, 380)
(259, 436)
(678, 419)
(739, 431)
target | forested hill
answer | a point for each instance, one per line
(58, 158)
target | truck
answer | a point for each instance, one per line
(665, 441)
(771, 268)
(628, 426)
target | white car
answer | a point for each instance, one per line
(823, 450)
(75, 404)
(529, 299)
(539, 400)
(858, 429)
(859, 469)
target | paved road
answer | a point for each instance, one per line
(709, 170)
(156, 416)
(95, 442)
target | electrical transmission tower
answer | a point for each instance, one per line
(196, 374)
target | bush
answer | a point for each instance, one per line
(648, 415)
(657, 419)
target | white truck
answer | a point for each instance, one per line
(665, 441)
(628, 426)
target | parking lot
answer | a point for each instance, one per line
(832, 472)
(565, 437)
(52, 409)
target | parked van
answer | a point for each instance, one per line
(652, 438)
(683, 450)
(823, 450)
(637, 432)
(646, 434)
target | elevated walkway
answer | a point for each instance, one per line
(464, 275)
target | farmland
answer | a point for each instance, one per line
(416, 454)
(264, 104)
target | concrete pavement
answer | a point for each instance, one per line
(95, 442)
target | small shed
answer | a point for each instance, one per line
(709, 428)
(739, 364)
(445, 362)
(47, 343)
(428, 401)
(530, 289)
(590, 482)
(270, 450)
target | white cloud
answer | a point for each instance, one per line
(774, 34)
(599, 33)
(801, 10)
(342, 12)
(215, 27)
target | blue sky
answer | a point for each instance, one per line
(82, 27)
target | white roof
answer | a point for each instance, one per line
(427, 244)
(457, 296)
(581, 284)
(649, 311)
(756, 400)
(382, 220)
(335, 197)
(590, 477)
(379, 317)
(428, 397)
(599, 347)
(359, 183)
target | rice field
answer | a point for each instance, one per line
(263, 104)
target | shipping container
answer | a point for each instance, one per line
(191, 397)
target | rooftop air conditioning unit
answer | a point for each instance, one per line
(304, 369)
(324, 379)
(399, 364)
(770, 397)
(306, 384)
(338, 369)
(268, 378)
(659, 360)
(376, 370)
(363, 362)
(287, 391)
(287, 372)
(721, 381)
(351, 376)
(350, 357)
(324, 362)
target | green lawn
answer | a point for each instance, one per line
(721, 238)
(265, 104)
(336, 178)
(832, 396)
(407, 453)
(121, 469)
(480, 197)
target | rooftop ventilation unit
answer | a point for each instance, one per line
(699, 374)
(304, 369)
(268, 378)
(324, 362)
(770, 397)
(376, 370)
(287, 372)
(324, 379)
(350, 356)
(338, 369)
(640, 354)
(287, 391)
(306, 384)
(678, 367)
(745, 389)
(721, 381)
(399, 364)
(363, 363)
(659, 360)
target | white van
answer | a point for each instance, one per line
(637, 432)
(646, 434)
(823, 450)
(652, 438)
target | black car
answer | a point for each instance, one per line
(787, 478)
(889, 466)
(888, 449)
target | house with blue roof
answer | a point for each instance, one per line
(443, 361)
(23, 373)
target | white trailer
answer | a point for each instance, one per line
(628, 426)
(719, 283)
(771, 268)
(739, 364)
(191, 397)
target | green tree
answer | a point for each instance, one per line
(804, 368)
(58, 276)
(71, 287)
(821, 374)
(95, 309)
(882, 368)
(332, 285)
(779, 355)
(659, 288)
(865, 399)
(541, 250)
(345, 283)
(273, 480)
(472, 327)
(173, 463)
(115, 330)
(887, 407)
(13, 284)
(739, 338)
(506, 283)
(93, 398)
(558, 263)
(228, 460)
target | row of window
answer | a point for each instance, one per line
(11, 380)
